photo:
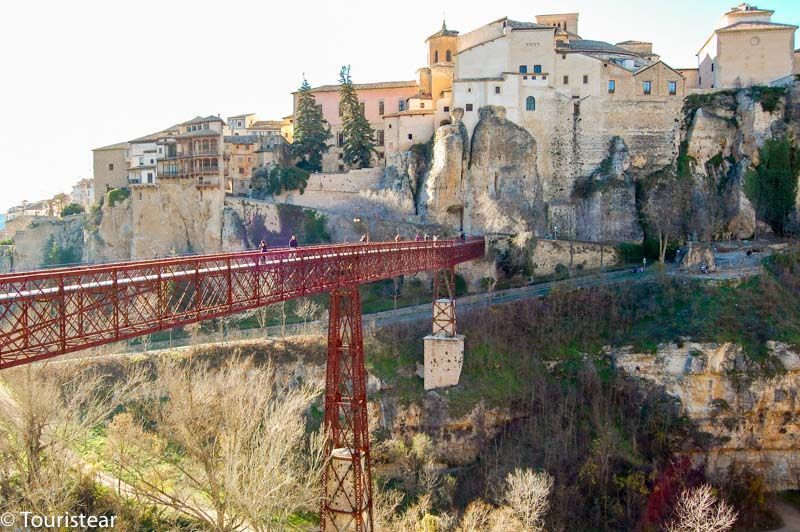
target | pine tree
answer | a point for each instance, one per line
(311, 131)
(359, 140)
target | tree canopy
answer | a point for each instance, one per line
(271, 181)
(358, 135)
(311, 131)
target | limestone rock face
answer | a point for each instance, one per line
(606, 200)
(111, 239)
(6, 258)
(176, 217)
(33, 243)
(503, 192)
(442, 197)
(755, 420)
(698, 255)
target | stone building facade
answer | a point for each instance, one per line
(110, 167)
(746, 49)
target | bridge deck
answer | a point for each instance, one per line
(52, 312)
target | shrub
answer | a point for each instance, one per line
(772, 185)
(116, 195)
(7, 242)
(72, 208)
(278, 179)
(769, 97)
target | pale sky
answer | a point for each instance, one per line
(80, 75)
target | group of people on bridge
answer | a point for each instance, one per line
(424, 237)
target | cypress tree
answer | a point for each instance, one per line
(359, 140)
(772, 185)
(311, 131)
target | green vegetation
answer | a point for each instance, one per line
(56, 255)
(311, 131)
(7, 242)
(116, 195)
(278, 179)
(769, 97)
(314, 229)
(359, 140)
(72, 208)
(772, 185)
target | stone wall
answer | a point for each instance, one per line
(548, 254)
(754, 418)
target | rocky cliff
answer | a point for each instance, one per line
(752, 413)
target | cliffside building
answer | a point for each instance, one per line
(377, 101)
(195, 152)
(240, 161)
(83, 193)
(746, 49)
(110, 167)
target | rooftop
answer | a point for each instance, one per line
(368, 86)
(757, 25)
(241, 116)
(747, 8)
(266, 124)
(633, 42)
(117, 146)
(586, 45)
(517, 25)
(241, 139)
(170, 131)
(200, 119)
(199, 133)
(444, 32)
(415, 112)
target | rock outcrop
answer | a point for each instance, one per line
(752, 414)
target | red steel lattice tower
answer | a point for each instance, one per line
(347, 477)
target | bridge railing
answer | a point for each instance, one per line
(51, 312)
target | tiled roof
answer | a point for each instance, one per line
(367, 86)
(266, 124)
(241, 139)
(586, 45)
(444, 32)
(415, 112)
(516, 25)
(633, 42)
(201, 119)
(198, 133)
(756, 25)
(117, 146)
(169, 132)
(242, 116)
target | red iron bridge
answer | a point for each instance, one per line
(48, 313)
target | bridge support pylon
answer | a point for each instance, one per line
(443, 348)
(347, 477)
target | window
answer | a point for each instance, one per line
(340, 139)
(563, 56)
(110, 166)
(469, 107)
(341, 168)
(537, 69)
(544, 77)
(566, 80)
(446, 108)
(448, 56)
(530, 103)
(647, 87)
(410, 136)
(141, 161)
(381, 108)
(673, 88)
(436, 56)
(712, 67)
(612, 86)
(401, 105)
(341, 109)
(523, 69)
(149, 177)
(363, 107)
(585, 79)
(241, 170)
(152, 161)
(497, 89)
(379, 137)
(422, 105)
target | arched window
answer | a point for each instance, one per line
(436, 56)
(448, 56)
(530, 103)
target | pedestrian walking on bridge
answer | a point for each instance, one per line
(293, 242)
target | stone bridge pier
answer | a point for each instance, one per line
(443, 348)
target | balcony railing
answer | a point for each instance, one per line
(188, 172)
(186, 155)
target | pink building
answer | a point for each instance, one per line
(377, 99)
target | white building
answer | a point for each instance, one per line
(83, 193)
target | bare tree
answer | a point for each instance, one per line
(45, 412)
(699, 510)
(245, 461)
(306, 309)
(527, 494)
(665, 209)
(476, 517)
